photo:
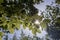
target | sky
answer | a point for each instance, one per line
(42, 6)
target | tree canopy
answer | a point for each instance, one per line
(17, 12)
(14, 13)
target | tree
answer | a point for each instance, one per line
(53, 28)
(14, 13)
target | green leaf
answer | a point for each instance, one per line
(43, 25)
(46, 21)
(58, 1)
(1, 34)
(11, 30)
(58, 20)
(0, 38)
(38, 31)
(1, 1)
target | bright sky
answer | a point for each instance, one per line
(42, 6)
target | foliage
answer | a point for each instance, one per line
(58, 1)
(54, 26)
(15, 13)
